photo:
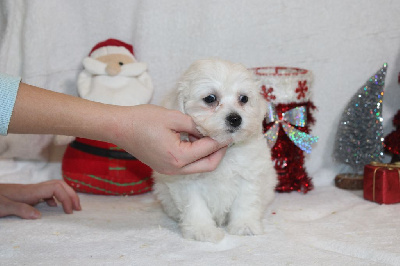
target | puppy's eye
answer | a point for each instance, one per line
(210, 98)
(120, 63)
(243, 99)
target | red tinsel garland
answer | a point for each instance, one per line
(396, 120)
(288, 158)
(392, 140)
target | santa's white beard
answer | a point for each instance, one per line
(122, 89)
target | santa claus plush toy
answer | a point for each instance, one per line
(111, 75)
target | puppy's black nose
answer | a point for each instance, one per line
(234, 120)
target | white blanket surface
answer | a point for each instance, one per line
(327, 226)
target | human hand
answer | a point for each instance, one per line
(149, 132)
(152, 134)
(18, 199)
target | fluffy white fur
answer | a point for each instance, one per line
(237, 193)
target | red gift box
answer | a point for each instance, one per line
(382, 183)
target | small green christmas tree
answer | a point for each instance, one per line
(359, 138)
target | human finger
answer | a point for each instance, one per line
(51, 202)
(25, 211)
(57, 190)
(193, 138)
(48, 189)
(198, 149)
(205, 164)
(74, 197)
(184, 123)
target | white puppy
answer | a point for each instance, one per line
(224, 101)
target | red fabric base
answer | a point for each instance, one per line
(93, 174)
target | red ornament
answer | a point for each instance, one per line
(288, 158)
(287, 88)
(392, 140)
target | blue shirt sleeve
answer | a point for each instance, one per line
(8, 93)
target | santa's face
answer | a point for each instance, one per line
(114, 62)
(115, 79)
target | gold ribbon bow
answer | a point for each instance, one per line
(294, 117)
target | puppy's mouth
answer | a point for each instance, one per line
(232, 130)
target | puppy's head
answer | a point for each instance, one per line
(223, 99)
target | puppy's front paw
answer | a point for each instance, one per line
(246, 228)
(204, 233)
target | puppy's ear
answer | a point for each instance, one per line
(262, 103)
(180, 104)
(174, 99)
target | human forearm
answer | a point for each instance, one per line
(39, 111)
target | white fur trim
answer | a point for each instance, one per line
(94, 66)
(288, 84)
(118, 90)
(106, 50)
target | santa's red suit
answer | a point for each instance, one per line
(111, 75)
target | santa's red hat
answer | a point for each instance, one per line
(111, 46)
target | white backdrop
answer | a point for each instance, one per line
(342, 42)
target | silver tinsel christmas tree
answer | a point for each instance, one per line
(359, 138)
